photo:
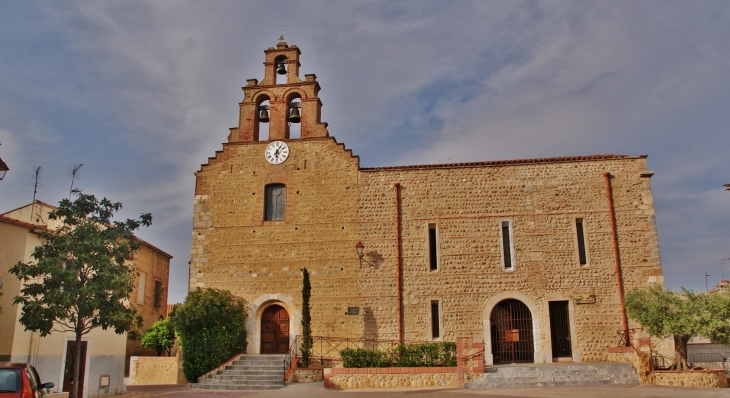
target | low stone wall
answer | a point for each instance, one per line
(641, 361)
(307, 375)
(347, 378)
(691, 378)
(155, 370)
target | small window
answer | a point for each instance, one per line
(432, 248)
(275, 202)
(158, 294)
(435, 320)
(140, 288)
(580, 234)
(507, 246)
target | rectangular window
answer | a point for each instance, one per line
(140, 288)
(275, 202)
(435, 320)
(581, 241)
(158, 294)
(507, 248)
(432, 252)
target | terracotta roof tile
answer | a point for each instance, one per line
(21, 223)
(563, 159)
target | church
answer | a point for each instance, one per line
(532, 257)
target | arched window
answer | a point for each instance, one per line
(275, 205)
(280, 65)
(293, 117)
(262, 120)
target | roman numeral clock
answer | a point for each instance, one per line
(276, 152)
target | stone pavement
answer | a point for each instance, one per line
(316, 390)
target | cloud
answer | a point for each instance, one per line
(144, 92)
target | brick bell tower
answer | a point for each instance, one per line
(285, 100)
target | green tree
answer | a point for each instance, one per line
(211, 326)
(306, 321)
(663, 313)
(160, 337)
(80, 278)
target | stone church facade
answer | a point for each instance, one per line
(531, 257)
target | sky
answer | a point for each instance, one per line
(143, 92)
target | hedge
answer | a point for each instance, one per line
(411, 355)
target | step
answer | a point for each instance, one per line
(255, 372)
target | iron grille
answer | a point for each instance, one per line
(511, 330)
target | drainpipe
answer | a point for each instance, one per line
(396, 186)
(614, 235)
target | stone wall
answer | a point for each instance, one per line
(691, 378)
(467, 204)
(261, 261)
(345, 378)
(332, 203)
(156, 370)
(155, 264)
(306, 376)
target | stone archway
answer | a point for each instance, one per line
(538, 354)
(256, 309)
(275, 330)
(511, 333)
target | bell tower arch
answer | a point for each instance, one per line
(280, 110)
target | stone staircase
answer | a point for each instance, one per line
(246, 372)
(555, 375)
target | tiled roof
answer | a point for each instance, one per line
(564, 159)
(20, 223)
(34, 227)
(155, 248)
(43, 204)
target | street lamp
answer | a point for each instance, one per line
(360, 249)
(3, 169)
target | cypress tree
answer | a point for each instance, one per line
(306, 346)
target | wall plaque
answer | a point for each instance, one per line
(584, 298)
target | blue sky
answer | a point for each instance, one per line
(142, 92)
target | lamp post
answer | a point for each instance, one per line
(3, 169)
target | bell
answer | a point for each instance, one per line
(280, 69)
(295, 117)
(264, 116)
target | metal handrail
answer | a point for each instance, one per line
(661, 362)
(329, 347)
(472, 356)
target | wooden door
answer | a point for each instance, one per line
(275, 330)
(68, 371)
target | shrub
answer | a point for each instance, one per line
(411, 355)
(362, 358)
(211, 326)
(160, 337)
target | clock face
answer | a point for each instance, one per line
(276, 152)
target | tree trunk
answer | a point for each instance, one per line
(680, 353)
(77, 368)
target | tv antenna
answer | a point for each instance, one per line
(35, 191)
(73, 176)
(707, 289)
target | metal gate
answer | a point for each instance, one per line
(511, 330)
(560, 329)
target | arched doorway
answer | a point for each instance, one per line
(275, 330)
(511, 332)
